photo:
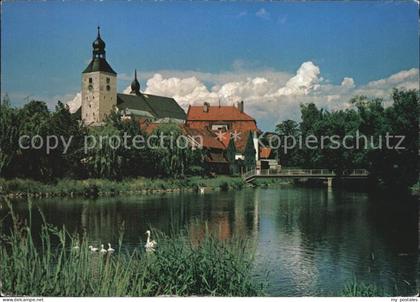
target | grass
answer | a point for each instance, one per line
(94, 187)
(360, 289)
(179, 266)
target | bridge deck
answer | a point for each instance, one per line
(303, 173)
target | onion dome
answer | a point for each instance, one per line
(98, 45)
(135, 85)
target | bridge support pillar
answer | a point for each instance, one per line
(329, 181)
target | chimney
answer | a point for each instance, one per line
(206, 107)
(241, 106)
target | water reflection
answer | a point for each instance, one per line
(312, 241)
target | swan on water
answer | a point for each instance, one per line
(150, 244)
(110, 249)
(102, 249)
(93, 249)
(201, 190)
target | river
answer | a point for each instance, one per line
(310, 241)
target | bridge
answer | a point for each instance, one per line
(325, 174)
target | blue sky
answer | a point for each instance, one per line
(46, 45)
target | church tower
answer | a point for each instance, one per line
(99, 86)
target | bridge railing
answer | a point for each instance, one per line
(302, 172)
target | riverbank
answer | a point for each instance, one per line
(20, 188)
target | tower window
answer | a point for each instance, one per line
(108, 80)
(108, 87)
(90, 80)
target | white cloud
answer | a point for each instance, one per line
(305, 80)
(347, 82)
(270, 96)
(75, 103)
(127, 90)
(273, 96)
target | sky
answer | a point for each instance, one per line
(273, 56)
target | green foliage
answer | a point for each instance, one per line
(9, 129)
(168, 155)
(289, 129)
(249, 161)
(181, 265)
(34, 123)
(394, 169)
(105, 158)
(360, 289)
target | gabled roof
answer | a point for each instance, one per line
(158, 106)
(99, 64)
(164, 106)
(208, 138)
(217, 113)
(132, 101)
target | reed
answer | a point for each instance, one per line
(356, 288)
(179, 266)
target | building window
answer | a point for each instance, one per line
(90, 80)
(219, 127)
(108, 87)
(108, 80)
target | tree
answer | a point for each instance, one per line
(65, 160)
(288, 132)
(103, 158)
(9, 130)
(249, 152)
(398, 168)
(32, 161)
(172, 155)
(134, 154)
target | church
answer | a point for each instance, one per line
(100, 97)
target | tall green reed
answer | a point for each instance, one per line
(179, 266)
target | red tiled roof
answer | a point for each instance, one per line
(240, 141)
(208, 138)
(265, 152)
(216, 113)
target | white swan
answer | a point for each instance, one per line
(93, 249)
(102, 249)
(201, 190)
(76, 247)
(110, 249)
(150, 244)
